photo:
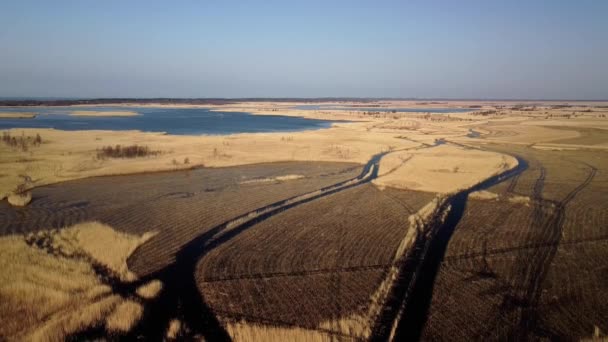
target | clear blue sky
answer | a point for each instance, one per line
(458, 49)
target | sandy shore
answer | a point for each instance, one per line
(102, 113)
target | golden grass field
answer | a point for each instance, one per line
(60, 279)
(442, 169)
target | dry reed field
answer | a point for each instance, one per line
(179, 205)
(529, 269)
(215, 195)
(60, 282)
(348, 265)
(316, 266)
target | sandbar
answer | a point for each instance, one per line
(17, 115)
(102, 113)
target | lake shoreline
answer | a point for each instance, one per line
(174, 121)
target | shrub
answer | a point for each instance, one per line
(23, 142)
(119, 151)
(20, 199)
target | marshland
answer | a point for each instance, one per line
(356, 231)
(303, 171)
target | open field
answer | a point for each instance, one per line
(484, 225)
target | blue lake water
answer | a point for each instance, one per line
(384, 109)
(180, 121)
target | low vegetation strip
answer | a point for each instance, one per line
(281, 178)
(118, 151)
(242, 331)
(23, 142)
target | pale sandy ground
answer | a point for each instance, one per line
(484, 195)
(16, 115)
(102, 113)
(71, 155)
(442, 169)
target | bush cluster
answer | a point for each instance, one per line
(23, 142)
(119, 151)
